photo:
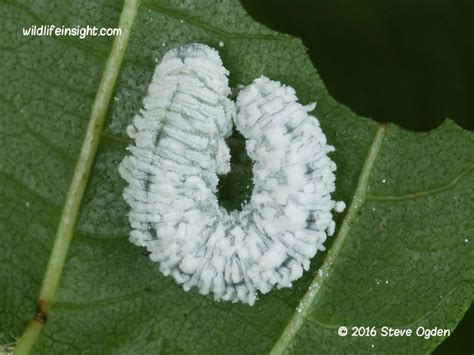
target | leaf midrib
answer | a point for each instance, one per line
(310, 298)
(82, 170)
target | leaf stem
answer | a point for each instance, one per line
(79, 180)
(310, 298)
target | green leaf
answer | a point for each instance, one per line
(402, 255)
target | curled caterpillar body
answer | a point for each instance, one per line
(172, 174)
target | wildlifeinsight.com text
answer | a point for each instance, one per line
(78, 31)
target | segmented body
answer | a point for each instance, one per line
(172, 174)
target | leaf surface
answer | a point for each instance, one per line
(402, 256)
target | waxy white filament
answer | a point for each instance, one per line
(172, 174)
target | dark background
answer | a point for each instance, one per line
(410, 62)
(406, 61)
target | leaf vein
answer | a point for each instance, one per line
(197, 23)
(310, 298)
(63, 238)
(418, 194)
(410, 325)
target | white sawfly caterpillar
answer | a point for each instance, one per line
(172, 175)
